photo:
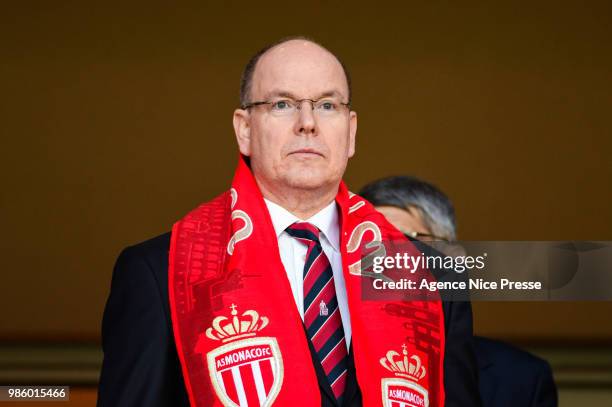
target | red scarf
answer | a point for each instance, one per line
(239, 335)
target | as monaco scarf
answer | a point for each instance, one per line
(239, 335)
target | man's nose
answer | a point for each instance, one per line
(306, 121)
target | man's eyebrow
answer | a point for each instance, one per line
(331, 93)
(289, 95)
(280, 94)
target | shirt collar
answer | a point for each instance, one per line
(326, 220)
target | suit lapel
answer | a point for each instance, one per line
(351, 378)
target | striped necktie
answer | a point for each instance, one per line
(321, 313)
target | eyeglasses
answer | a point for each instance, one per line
(425, 237)
(288, 107)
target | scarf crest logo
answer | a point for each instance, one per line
(403, 390)
(246, 370)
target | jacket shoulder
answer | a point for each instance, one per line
(150, 249)
(153, 252)
(506, 354)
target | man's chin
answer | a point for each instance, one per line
(306, 180)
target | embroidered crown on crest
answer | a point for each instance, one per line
(404, 366)
(225, 329)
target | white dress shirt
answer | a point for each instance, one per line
(293, 254)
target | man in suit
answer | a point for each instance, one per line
(508, 376)
(295, 133)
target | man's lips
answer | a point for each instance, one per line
(309, 151)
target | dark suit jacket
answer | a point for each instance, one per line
(512, 377)
(141, 366)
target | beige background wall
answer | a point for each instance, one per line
(116, 120)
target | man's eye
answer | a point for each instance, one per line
(281, 105)
(327, 106)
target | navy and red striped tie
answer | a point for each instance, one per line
(321, 313)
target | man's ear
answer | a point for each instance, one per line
(352, 133)
(242, 128)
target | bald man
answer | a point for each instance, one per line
(254, 298)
